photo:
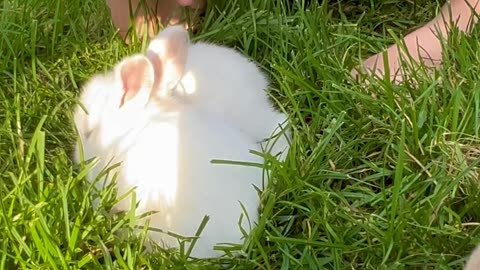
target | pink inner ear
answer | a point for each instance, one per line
(133, 74)
(168, 55)
(157, 67)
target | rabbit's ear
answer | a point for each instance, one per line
(473, 262)
(137, 76)
(168, 53)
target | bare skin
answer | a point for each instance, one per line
(424, 45)
(147, 17)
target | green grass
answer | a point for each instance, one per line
(378, 177)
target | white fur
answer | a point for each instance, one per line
(222, 81)
(168, 161)
(166, 144)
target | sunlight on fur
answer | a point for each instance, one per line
(142, 163)
(188, 84)
(159, 47)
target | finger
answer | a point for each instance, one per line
(185, 3)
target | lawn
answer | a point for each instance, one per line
(378, 176)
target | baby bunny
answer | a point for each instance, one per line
(473, 262)
(165, 141)
(220, 80)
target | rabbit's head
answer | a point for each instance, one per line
(116, 102)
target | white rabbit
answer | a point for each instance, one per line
(473, 262)
(165, 145)
(222, 81)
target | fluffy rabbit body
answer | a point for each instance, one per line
(165, 117)
(232, 86)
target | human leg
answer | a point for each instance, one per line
(424, 45)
